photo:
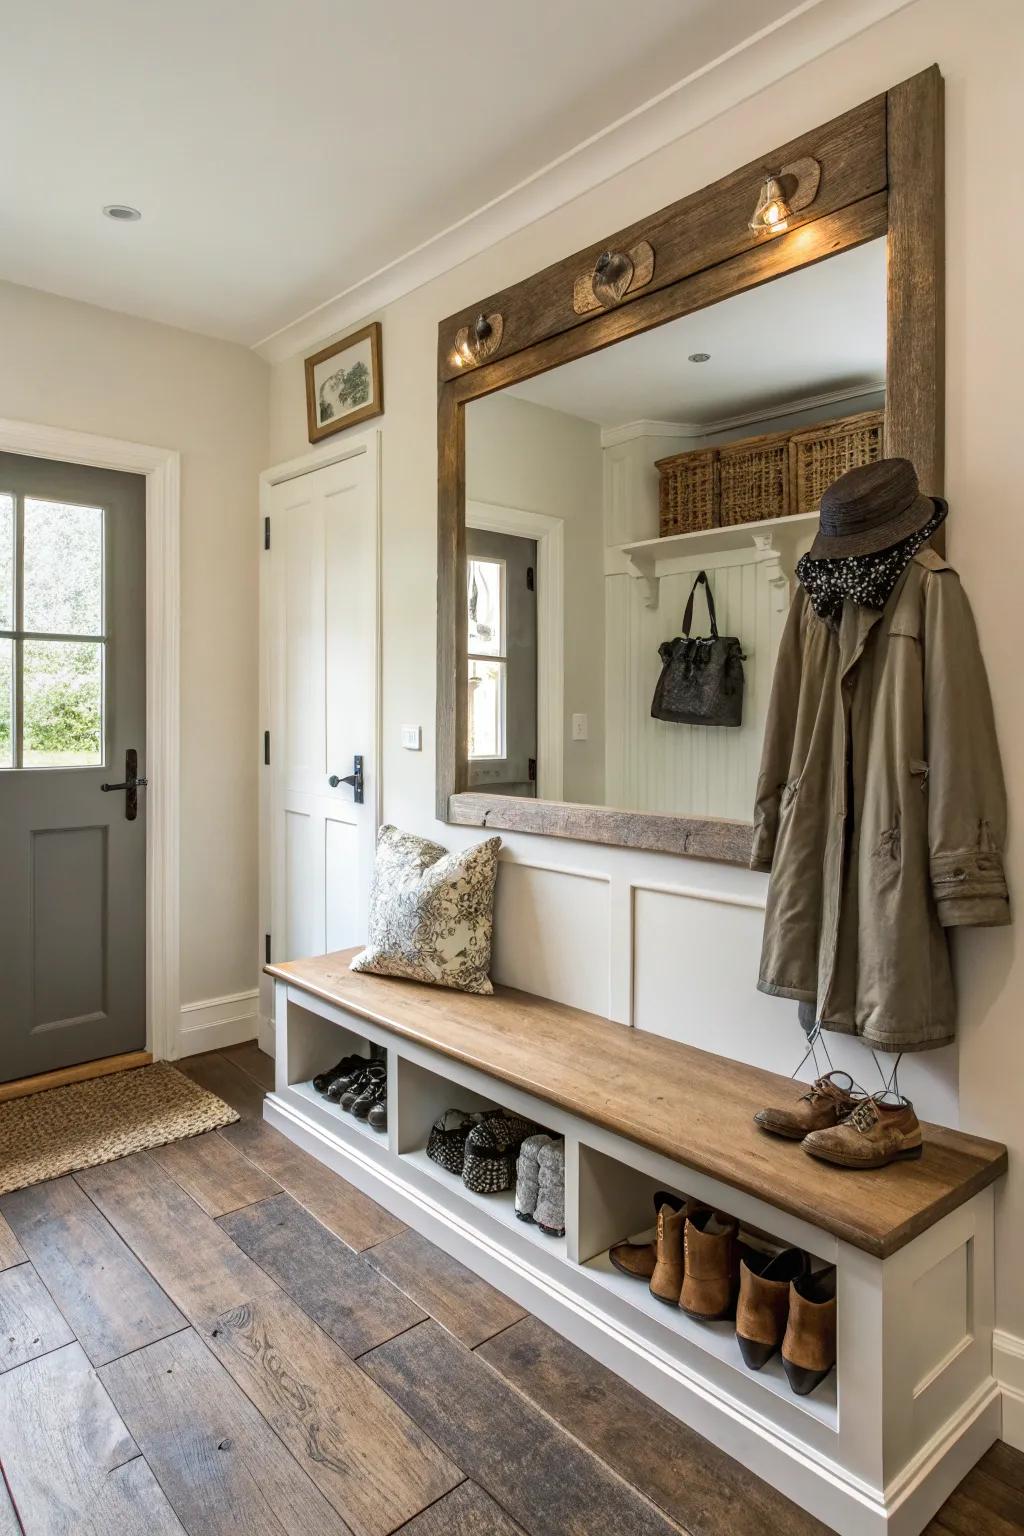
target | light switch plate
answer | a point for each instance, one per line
(412, 738)
(579, 727)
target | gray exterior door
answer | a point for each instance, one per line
(502, 601)
(72, 704)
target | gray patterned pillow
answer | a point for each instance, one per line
(431, 912)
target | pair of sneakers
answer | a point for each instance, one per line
(838, 1122)
(540, 1183)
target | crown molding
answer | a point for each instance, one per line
(810, 29)
(612, 436)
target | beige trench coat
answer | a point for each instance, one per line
(881, 810)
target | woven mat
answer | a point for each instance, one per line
(65, 1129)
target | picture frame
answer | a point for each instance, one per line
(345, 383)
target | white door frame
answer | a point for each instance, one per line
(161, 467)
(292, 469)
(549, 533)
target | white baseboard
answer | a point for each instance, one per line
(217, 1023)
(1008, 1369)
(266, 1036)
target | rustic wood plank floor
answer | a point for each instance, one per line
(223, 1335)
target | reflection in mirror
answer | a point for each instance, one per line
(597, 492)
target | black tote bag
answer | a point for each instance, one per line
(701, 680)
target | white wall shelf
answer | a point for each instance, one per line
(650, 559)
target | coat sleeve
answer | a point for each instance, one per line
(779, 731)
(966, 793)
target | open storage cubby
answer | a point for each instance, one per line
(314, 1045)
(616, 1203)
(422, 1097)
(912, 1402)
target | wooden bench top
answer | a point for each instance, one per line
(691, 1105)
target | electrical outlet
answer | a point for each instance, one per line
(579, 727)
(412, 738)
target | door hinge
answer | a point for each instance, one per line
(266, 748)
(266, 949)
(531, 770)
(529, 578)
(266, 533)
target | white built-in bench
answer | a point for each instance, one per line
(912, 1403)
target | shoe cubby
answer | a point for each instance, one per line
(616, 1204)
(316, 1044)
(423, 1096)
(911, 1403)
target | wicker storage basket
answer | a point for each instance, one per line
(823, 453)
(688, 493)
(754, 479)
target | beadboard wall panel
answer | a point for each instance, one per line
(703, 770)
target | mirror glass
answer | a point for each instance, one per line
(596, 493)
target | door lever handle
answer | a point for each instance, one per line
(355, 778)
(131, 784)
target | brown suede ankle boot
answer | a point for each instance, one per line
(763, 1307)
(809, 1348)
(667, 1279)
(711, 1266)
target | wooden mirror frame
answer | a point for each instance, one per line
(882, 173)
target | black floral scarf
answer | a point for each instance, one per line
(867, 580)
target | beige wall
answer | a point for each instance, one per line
(73, 365)
(545, 940)
(523, 455)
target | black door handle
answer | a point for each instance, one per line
(131, 784)
(355, 779)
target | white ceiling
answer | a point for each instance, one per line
(282, 150)
(819, 330)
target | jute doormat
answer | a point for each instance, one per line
(64, 1129)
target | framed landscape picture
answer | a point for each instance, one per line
(344, 383)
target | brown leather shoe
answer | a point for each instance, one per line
(879, 1131)
(667, 1276)
(809, 1348)
(825, 1103)
(711, 1266)
(763, 1308)
(636, 1259)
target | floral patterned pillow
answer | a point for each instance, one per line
(431, 912)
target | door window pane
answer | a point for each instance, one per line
(63, 568)
(6, 703)
(486, 708)
(6, 561)
(485, 607)
(63, 709)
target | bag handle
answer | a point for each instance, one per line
(701, 579)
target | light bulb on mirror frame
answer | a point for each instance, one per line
(772, 212)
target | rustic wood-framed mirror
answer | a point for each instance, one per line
(875, 174)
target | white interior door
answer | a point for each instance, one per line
(321, 649)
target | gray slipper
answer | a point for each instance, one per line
(527, 1175)
(549, 1213)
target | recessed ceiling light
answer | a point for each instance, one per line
(700, 357)
(122, 212)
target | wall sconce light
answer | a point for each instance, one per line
(772, 212)
(792, 190)
(475, 343)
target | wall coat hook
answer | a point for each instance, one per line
(614, 274)
(477, 342)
